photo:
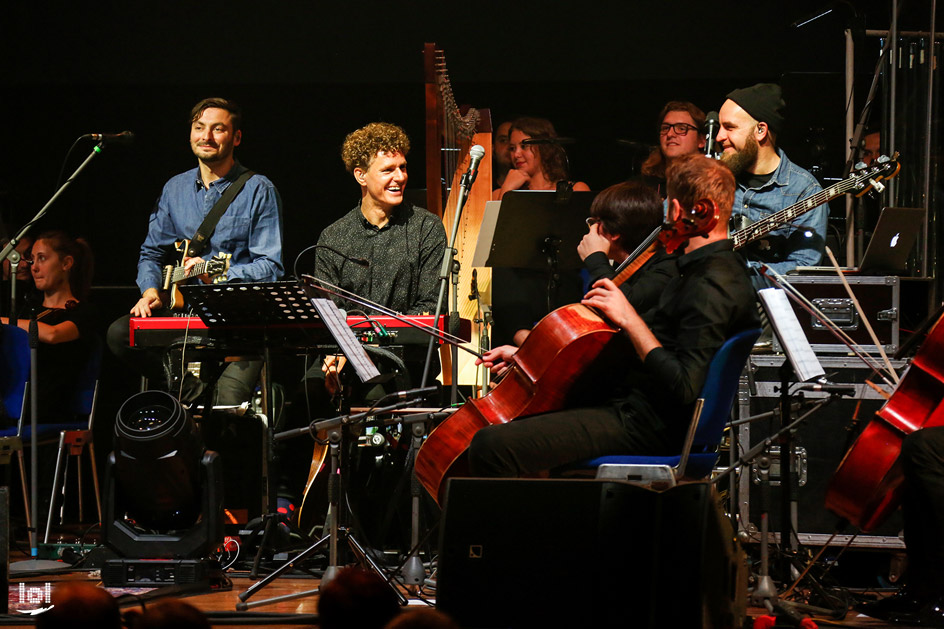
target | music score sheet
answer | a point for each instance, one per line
(792, 338)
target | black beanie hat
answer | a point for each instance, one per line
(764, 102)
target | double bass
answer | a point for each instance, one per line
(866, 487)
(557, 352)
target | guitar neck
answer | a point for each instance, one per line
(768, 224)
(180, 275)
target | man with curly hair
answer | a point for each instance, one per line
(403, 243)
(404, 246)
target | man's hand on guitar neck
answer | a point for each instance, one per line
(149, 301)
(189, 263)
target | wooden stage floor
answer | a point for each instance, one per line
(220, 606)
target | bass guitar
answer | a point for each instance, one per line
(866, 487)
(547, 368)
(216, 268)
(860, 182)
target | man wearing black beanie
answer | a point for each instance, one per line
(751, 120)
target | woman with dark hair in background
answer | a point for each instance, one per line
(538, 166)
(62, 274)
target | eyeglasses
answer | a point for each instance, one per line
(592, 220)
(680, 128)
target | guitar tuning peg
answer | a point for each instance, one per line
(883, 159)
(861, 166)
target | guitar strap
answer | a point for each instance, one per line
(200, 239)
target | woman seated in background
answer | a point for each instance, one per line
(538, 166)
(62, 275)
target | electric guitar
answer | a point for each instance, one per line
(860, 182)
(216, 268)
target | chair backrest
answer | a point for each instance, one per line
(721, 385)
(87, 380)
(15, 371)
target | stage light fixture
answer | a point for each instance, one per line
(164, 492)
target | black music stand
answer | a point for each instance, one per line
(540, 229)
(531, 245)
(265, 305)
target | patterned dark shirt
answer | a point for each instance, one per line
(405, 256)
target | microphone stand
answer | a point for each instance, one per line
(10, 246)
(14, 259)
(334, 427)
(6, 253)
(449, 268)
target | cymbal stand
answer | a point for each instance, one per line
(335, 428)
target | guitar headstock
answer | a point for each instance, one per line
(869, 177)
(218, 266)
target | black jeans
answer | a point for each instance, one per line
(543, 442)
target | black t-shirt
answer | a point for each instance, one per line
(59, 364)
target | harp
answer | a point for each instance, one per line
(450, 133)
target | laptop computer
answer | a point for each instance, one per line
(893, 238)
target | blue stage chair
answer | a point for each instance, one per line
(700, 451)
(14, 389)
(73, 439)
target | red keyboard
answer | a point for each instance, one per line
(383, 330)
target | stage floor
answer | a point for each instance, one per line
(220, 606)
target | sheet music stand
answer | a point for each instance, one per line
(535, 225)
(801, 365)
(264, 304)
(267, 304)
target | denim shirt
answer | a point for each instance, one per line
(250, 229)
(788, 185)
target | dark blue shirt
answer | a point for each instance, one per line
(250, 229)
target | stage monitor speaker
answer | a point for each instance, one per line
(516, 553)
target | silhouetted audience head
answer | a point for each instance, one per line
(428, 618)
(356, 599)
(80, 605)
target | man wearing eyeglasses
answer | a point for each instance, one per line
(680, 133)
(767, 181)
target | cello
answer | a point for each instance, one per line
(866, 487)
(559, 349)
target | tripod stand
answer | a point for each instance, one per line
(335, 530)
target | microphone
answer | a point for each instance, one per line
(358, 261)
(829, 387)
(411, 393)
(711, 130)
(476, 153)
(125, 137)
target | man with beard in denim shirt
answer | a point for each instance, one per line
(767, 181)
